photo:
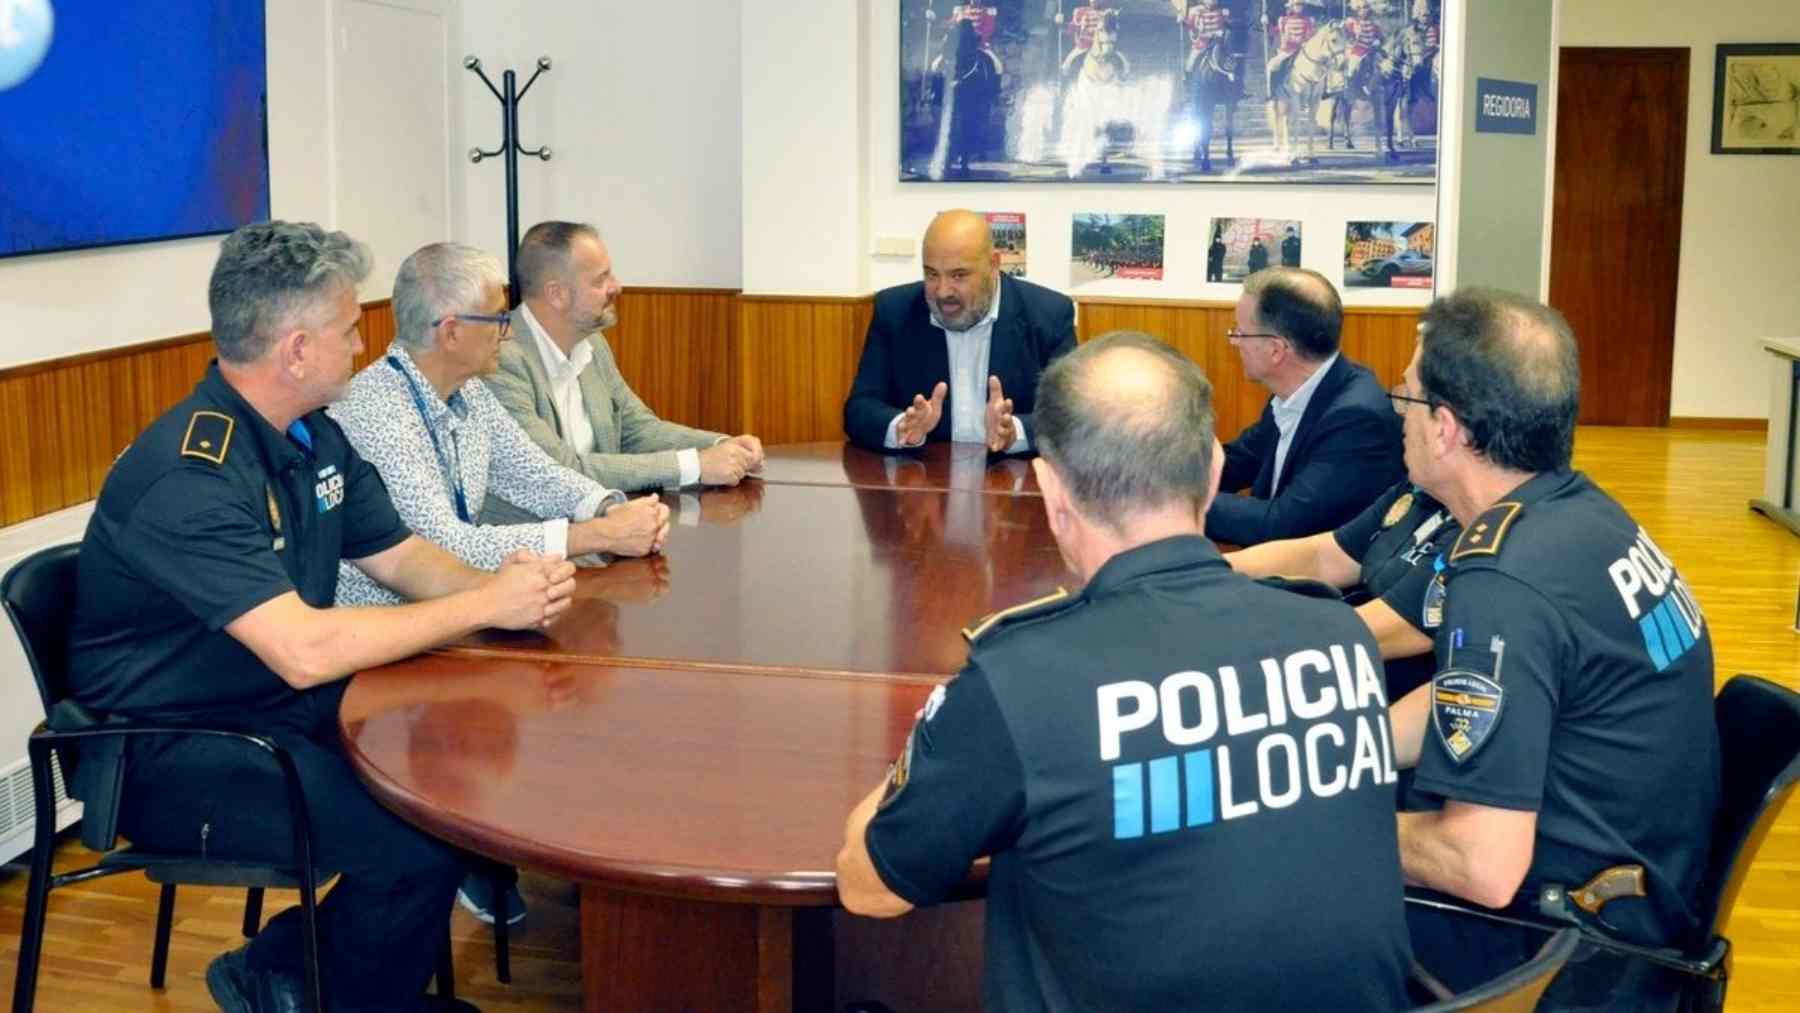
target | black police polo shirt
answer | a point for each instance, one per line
(1600, 716)
(210, 513)
(1399, 541)
(1186, 784)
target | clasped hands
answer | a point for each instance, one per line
(922, 416)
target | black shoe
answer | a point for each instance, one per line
(476, 895)
(237, 989)
(439, 1004)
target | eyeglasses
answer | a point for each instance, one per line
(1233, 334)
(1401, 399)
(500, 320)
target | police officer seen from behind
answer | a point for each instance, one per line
(1569, 730)
(1388, 562)
(1184, 779)
(204, 597)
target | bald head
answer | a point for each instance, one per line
(1128, 424)
(961, 271)
(960, 232)
(1301, 306)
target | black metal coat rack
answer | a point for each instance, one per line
(509, 96)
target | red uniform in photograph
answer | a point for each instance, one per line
(983, 17)
(1208, 25)
(1083, 23)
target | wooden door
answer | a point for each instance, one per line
(1615, 246)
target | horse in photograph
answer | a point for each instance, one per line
(1098, 112)
(1376, 81)
(967, 78)
(1419, 67)
(1215, 78)
(1297, 85)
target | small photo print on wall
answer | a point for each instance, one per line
(1009, 240)
(1239, 247)
(1388, 254)
(1106, 246)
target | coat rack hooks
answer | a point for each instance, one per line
(509, 95)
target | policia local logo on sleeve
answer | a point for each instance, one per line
(1322, 730)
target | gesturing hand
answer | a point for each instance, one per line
(921, 417)
(1002, 429)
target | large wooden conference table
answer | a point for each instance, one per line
(686, 741)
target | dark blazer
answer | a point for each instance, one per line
(905, 355)
(1346, 452)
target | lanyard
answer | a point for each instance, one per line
(451, 475)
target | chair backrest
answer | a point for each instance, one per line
(1517, 990)
(1759, 753)
(39, 596)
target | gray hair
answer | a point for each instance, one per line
(270, 273)
(437, 281)
(1131, 446)
(543, 254)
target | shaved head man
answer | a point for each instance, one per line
(956, 356)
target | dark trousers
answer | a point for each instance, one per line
(381, 927)
(1464, 951)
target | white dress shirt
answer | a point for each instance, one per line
(565, 390)
(1287, 417)
(968, 385)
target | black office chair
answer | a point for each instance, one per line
(39, 598)
(1518, 990)
(1759, 742)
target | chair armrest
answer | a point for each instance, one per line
(1706, 964)
(101, 834)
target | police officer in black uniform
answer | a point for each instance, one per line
(204, 597)
(1389, 562)
(1569, 730)
(1183, 778)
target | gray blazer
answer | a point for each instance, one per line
(633, 449)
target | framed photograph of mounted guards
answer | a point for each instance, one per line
(1169, 91)
(1756, 100)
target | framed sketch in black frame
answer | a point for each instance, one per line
(1756, 99)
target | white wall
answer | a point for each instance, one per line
(1740, 231)
(640, 110)
(66, 303)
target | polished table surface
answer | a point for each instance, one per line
(812, 579)
(688, 738)
(933, 466)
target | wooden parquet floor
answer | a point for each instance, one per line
(1689, 488)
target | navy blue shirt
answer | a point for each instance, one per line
(1599, 716)
(1185, 782)
(1400, 541)
(210, 513)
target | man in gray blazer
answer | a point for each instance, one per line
(559, 379)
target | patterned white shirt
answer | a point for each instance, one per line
(481, 444)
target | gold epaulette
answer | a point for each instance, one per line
(1483, 537)
(208, 436)
(1024, 610)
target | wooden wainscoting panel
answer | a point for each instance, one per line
(675, 348)
(69, 418)
(797, 357)
(1380, 338)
